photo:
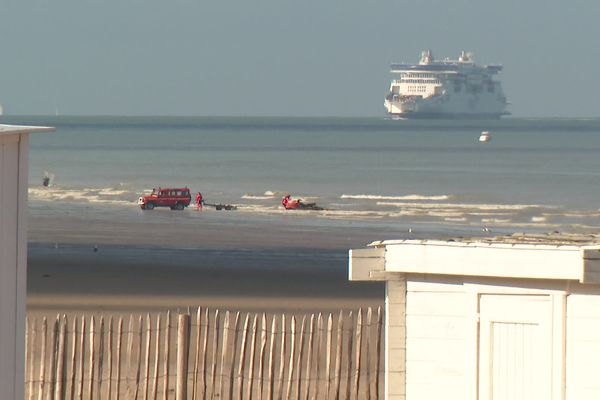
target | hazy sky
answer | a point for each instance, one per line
(285, 58)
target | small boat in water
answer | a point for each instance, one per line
(485, 136)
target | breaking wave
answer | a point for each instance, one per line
(463, 206)
(272, 194)
(404, 197)
(402, 209)
(267, 195)
(248, 196)
(88, 195)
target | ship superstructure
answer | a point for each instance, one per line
(446, 89)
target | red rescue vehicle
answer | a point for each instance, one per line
(176, 198)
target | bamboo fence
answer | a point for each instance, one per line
(207, 354)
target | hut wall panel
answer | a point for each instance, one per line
(395, 356)
(583, 346)
(9, 258)
(436, 345)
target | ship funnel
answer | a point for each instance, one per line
(464, 56)
(426, 57)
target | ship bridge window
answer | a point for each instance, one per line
(417, 89)
(423, 81)
(395, 89)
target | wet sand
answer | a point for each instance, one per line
(206, 230)
(152, 263)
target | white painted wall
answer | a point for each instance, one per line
(14, 151)
(436, 334)
(13, 170)
(395, 344)
(583, 344)
(448, 332)
(483, 259)
(488, 321)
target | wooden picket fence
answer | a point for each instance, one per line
(207, 355)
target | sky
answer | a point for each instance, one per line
(282, 57)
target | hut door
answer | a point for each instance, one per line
(515, 352)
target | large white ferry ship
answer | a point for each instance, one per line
(446, 89)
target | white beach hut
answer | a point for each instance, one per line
(14, 145)
(510, 318)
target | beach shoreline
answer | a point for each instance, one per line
(107, 263)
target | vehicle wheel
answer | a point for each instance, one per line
(179, 206)
(149, 206)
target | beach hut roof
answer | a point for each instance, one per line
(18, 129)
(555, 256)
(537, 240)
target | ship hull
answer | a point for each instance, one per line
(444, 115)
(445, 107)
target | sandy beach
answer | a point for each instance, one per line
(150, 263)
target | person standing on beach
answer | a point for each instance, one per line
(199, 201)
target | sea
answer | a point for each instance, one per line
(534, 175)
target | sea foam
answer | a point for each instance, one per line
(403, 197)
(87, 195)
(248, 196)
(462, 206)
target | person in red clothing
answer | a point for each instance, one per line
(199, 201)
(290, 204)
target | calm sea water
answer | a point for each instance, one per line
(533, 173)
